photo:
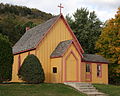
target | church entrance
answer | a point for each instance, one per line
(71, 68)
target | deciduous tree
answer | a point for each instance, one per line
(108, 45)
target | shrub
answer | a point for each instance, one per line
(31, 70)
(6, 59)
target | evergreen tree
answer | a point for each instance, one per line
(87, 28)
(31, 70)
(6, 59)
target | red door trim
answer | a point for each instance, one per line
(77, 73)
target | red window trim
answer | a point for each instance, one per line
(90, 76)
(100, 76)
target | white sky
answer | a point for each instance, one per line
(105, 9)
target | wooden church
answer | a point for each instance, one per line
(60, 53)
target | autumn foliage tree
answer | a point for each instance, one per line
(108, 46)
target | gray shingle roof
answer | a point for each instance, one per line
(31, 37)
(61, 48)
(94, 58)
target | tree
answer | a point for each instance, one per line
(108, 45)
(7, 25)
(31, 70)
(6, 59)
(13, 28)
(87, 28)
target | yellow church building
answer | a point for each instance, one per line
(60, 54)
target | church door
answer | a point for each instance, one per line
(88, 72)
(71, 68)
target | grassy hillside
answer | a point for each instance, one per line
(22, 12)
(112, 90)
(14, 19)
(38, 90)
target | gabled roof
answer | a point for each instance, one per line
(34, 36)
(94, 58)
(61, 48)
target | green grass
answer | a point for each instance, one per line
(37, 90)
(112, 90)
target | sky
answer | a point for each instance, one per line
(104, 9)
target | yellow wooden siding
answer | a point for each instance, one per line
(56, 77)
(83, 72)
(15, 69)
(71, 67)
(58, 33)
(15, 65)
(73, 49)
(104, 78)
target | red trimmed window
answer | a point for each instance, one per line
(19, 62)
(87, 67)
(54, 69)
(99, 70)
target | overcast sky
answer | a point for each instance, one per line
(105, 9)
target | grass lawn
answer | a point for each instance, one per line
(37, 90)
(112, 90)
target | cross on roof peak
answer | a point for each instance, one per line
(60, 7)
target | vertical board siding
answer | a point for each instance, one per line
(15, 69)
(56, 77)
(71, 68)
(58, 33)
(73, 49)
(104, 78)
(15, 65)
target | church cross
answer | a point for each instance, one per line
(60, 7)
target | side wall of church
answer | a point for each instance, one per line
(18, 60)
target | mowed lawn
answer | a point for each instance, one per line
(112, 90)
(37, 90)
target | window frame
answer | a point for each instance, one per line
(99, 70)
(54, 70)
(88, 68)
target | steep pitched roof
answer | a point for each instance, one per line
(61, 48)
(32, 37)
(94, 58)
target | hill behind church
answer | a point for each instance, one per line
(14, 19)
